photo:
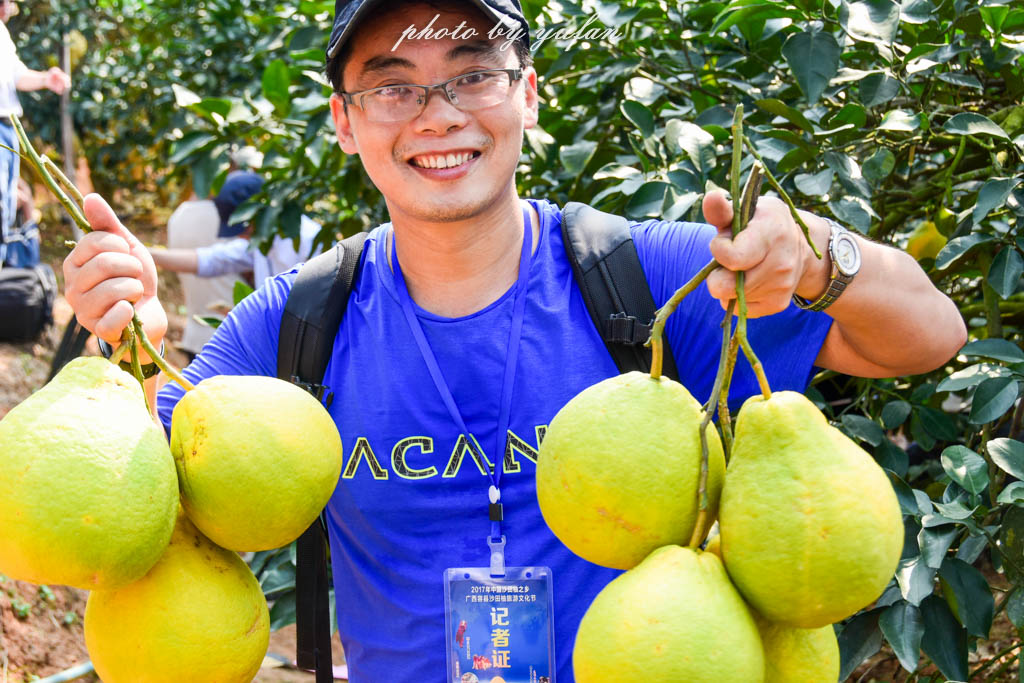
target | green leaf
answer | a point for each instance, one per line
(878, 167)
(969, 123)
(935, 542)
(972, 376)
(859, 639)
(814, 59)
(1015, 607)
(575, 157)
(780, 108)
(191, 142)
(968, 596)
(849, 172)
(1005, 273)
(899, 120)
(904, 494)
(241, 291)
(945, 640)
(966, 468)
(937, 423)
(873, 21)
(276, 82)
(648, 200)
(1011, 540)
(916, 11)
(903, 627)
(863, 428)
(964, 80)
(853, 211)
(639, 115)
(958, 247)
(1013, 494)
(895, 413)
(814, 184)
(878, 88)
(996, 349)
(697, 143)
(992, 398)
(892, 457)
(993, 195)
(916, 579)
(1008, 455)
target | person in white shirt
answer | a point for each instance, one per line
(15, 76)
(238, 255)
(195, 224)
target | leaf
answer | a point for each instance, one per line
(191, 142)
(916, 11)
(899, 120)
(904, 494)
(895, 413)
(575, 157)
(853, 211)
(780, 108)
(992, 195)
(945, 640)
(814, 184)
(878, 167)
(935, 542)
(878, 88)
(1005, 273)
(992, 398)
(873, 21)
(968, 596)
(891, 457)
(648, 200)
(276, 82)
(698, 144)
(859, 639)
(996, 349)
(916, 579)
(183, 97)
(1008, 455)
(903, 626)
(814, 59)
(1011, 540)
(639, 115)
(969, 123)
(971, 376)
(1012, 494)
(849, 173)
(863, 428)
(966, 468)
(964, 80)
(1015, 607)
(958, 247)
(937, 423)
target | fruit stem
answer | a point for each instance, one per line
(137, 369)
(655, 342)
(724, 418)
(166, 367)
(73, 209)
(734, 171)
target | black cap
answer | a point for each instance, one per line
(348, 12)
(239, 186)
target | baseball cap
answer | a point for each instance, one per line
(239, 186)
(347, 13)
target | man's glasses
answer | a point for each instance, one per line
(470, 91)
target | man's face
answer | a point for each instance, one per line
(7, 10)
(398, 156)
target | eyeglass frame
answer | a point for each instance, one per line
(350, 97)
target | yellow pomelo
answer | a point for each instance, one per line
(926, 241)
(811, 528)
(88, 491)
(674, 617)
(199, 616)
(257, 459)
(619, 468)
(798, 655)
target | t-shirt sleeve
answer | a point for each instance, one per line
(224, 257)
(786, 343)
(244, 344)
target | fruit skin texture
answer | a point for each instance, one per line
(619, 467)
(797, 655)
(811, 528)
(199, 615)
(258, 458)
(88, 491)
(675, 617)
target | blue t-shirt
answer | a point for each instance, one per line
(412, 498)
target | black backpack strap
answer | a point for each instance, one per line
(608, 271)
(309, 325)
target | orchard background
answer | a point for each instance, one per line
(902, 120)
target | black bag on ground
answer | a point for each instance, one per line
(26, 301)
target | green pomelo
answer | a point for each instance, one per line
(88, 491)
(619, 469)
(811, 528)
(798, 655)
(199, 615)
(257, 459)
(674, 617)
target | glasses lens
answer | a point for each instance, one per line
(481, 89)
(390, 104)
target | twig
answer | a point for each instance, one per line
(166, 367)
(40, 166)
(655, 342)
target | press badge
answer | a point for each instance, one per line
(499, 629)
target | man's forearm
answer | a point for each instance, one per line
(178, 260)
(31, 80)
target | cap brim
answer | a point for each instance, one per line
(364, 8)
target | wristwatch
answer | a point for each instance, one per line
(148, 370)
(845, 254)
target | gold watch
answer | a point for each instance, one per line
(845, 254)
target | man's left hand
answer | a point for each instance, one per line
(57, 80)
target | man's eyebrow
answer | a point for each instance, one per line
(383, 63)
(476, 48)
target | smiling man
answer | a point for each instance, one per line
(466, 332)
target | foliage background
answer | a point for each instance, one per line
(901, 119)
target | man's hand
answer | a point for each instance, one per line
(771, 250)
(107, 272)
(57, 80)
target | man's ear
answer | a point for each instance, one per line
(342, 125)
(532, 98)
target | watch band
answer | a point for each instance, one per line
(148, 370)
(838, 280)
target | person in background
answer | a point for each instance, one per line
(23, 237)
(15, 76)
(238, 255)
(193, 225)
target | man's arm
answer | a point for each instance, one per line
(178, 260)
(890, 321)
(53, 79)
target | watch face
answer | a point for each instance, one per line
(846, 254)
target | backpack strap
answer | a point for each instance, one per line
(609, 274)
(309, 325)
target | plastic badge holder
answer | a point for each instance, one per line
(499, 627)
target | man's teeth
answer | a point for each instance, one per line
(442, 160)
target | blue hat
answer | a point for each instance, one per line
(238, 187)
(348, 12)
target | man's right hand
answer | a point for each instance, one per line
(107, 272)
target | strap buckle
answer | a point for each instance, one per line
(626, 329)
(319, 391)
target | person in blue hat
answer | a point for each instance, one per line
(466, 332)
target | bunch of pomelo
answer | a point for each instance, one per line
(810, 532)
(92, 496)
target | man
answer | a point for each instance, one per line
(15, 76)
(428, 331)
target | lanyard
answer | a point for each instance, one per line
(496, 540)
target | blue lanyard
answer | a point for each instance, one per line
(496, 540)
